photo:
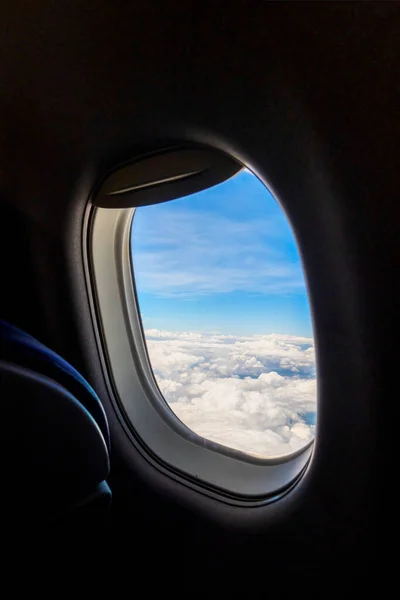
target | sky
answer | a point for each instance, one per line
(226, 317)
(221, 260)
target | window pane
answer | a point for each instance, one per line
(226, 316)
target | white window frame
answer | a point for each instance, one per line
(116, 315)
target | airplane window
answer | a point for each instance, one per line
(226, 317)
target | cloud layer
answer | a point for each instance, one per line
(252, 393)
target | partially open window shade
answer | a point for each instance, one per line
(164, 176)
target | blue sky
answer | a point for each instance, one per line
(221, 260)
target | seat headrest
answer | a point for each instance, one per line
(22, 349)
(55, 441)
(53, 452)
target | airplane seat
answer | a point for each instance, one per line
(54, 439)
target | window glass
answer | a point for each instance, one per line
(226, 316)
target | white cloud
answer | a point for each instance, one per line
(253, 393)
